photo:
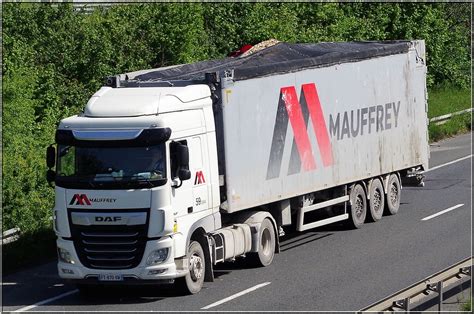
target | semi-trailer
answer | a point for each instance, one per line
(169, 171)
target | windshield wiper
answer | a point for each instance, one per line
(146, 180)
(138, 179)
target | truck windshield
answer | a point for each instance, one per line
(111, 166)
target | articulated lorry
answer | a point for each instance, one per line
(168, 172)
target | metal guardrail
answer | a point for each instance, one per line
(444, 118)
(404, 299)
(10, 235)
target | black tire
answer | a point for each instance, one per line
(192, 283)
(267, 243)
(392, 200)
(358, 206)
(376, 201)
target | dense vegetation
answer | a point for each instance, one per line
(55, 57)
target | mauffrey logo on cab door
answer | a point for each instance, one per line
(343, 124)
(199, 178)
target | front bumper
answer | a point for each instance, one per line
(165, 272)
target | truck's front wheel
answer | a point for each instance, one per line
(193, 281)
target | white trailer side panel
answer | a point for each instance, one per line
(372, 121)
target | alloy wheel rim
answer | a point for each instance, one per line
(196, 267)
(377, 200)
(393, 194)
(359, 206)
(266, 241)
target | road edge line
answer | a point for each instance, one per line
(444, 211)
(29, 307)
(234, 296)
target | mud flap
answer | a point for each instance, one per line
(209, 273)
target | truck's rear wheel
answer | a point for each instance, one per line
(376, 201)
(267, 242)
(192, 283)
(393, 195)
(358, 206)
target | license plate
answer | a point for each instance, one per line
(110, 277)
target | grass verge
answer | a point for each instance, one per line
(447, 99)
(29, 250)
(456, 125)
(444, 100)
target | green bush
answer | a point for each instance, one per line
(55, 58)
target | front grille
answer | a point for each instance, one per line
(110, 247)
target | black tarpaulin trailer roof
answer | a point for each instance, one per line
(280, 58)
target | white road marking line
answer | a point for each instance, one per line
(9, 283)
(442, 212)
(448, 163)
(236, 295)
(29, 307)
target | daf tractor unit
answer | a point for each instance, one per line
(169, 171)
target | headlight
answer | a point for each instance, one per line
(157, 256)
(65, 256)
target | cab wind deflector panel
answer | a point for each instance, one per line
(146, 137)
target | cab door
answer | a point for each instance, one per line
(192, 195)
(198, 166)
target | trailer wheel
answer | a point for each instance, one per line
(376, 201)
(393, 195)
(192, 283)
(358, 206)
(266, 240)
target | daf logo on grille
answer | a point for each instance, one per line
(108, 218)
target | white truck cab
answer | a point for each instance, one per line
(124, 198)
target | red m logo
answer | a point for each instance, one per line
(297, 113)
(199, 178)
(80, 199)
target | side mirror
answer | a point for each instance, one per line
(183, 156)
(50, 156)
(50, 176)
(180, 157)
(184, 174)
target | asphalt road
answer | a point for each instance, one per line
(328, 268)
